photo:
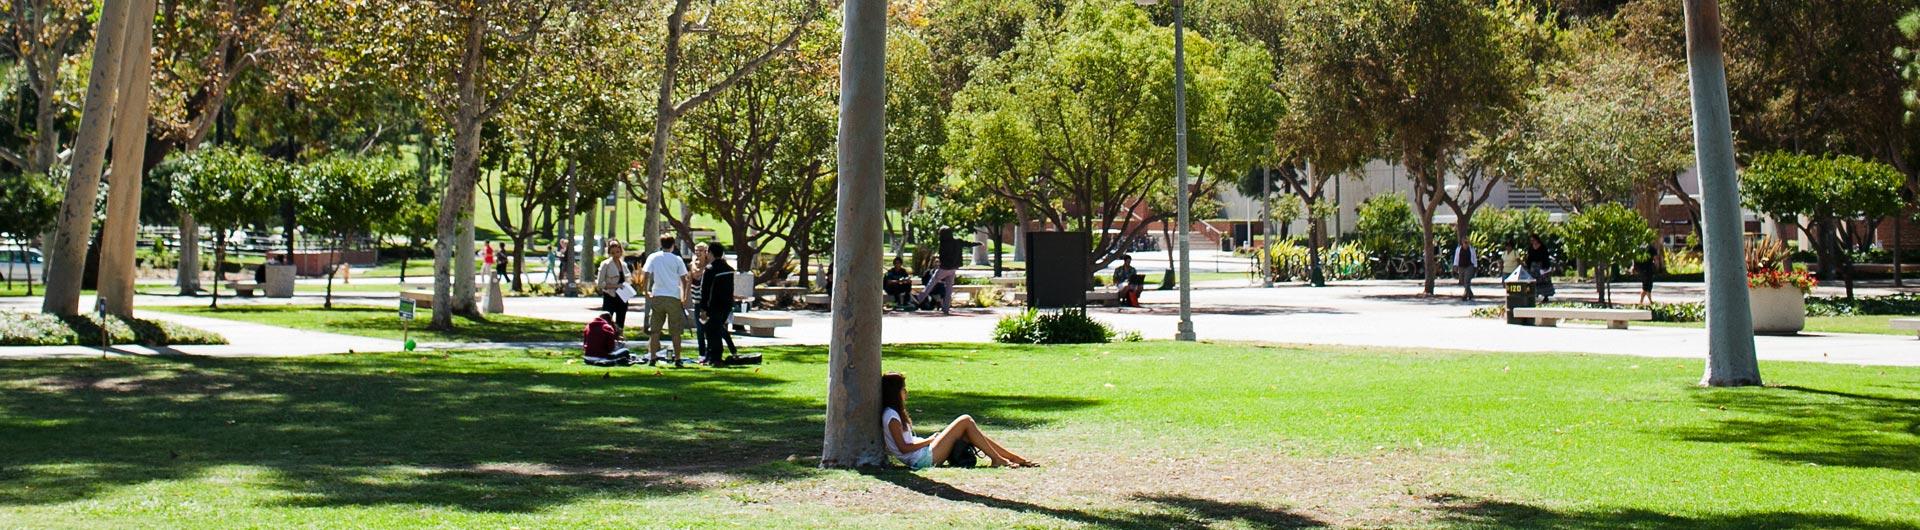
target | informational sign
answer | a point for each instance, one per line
(406, 309)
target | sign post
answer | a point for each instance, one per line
(406, 323)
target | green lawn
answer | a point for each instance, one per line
(1868, 324)
(384, 323)
(1145, 435)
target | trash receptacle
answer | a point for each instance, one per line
(1520, 293)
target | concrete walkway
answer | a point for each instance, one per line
(1371, 313)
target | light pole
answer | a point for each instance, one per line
(1185, 332)
(1266, 226)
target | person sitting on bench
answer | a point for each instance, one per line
(1129, 282)
(602, 345)
(899, 284)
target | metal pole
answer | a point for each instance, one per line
(1266, 225)
(1730, 351)
(1180, 161)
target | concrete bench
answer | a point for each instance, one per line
(244, 288)
(1103, 295)
(1551, 316)
(817, 300)
(422, 299)
(1906, 323)
(1009, 281)
(761, 324)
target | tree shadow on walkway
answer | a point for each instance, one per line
(1164, 511)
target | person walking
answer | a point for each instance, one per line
(1465, 266)
(615, 292)
(1644, 268)
(665, 277)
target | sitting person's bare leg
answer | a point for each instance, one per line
(964, 428)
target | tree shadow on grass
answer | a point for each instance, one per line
(1799, 425)
(498, 433)
(1165, 511)
(1488, 513)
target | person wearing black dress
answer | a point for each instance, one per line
(1644, 268)
(1540, 265)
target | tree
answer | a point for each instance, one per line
(1606, 236)
(31, 202)
(668, 108)
(226, 188)
(1387, 226)
(1420, 78)
(40, 35)
(347, 196)
(1829, 193)
(1071, 125)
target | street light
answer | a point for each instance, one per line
(1185, 332)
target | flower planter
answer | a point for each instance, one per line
(1778, 310)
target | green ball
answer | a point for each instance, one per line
(410, 345)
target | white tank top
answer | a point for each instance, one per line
(887, 417)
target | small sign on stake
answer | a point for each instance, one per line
(406, 323)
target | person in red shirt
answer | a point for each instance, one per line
(602, 345)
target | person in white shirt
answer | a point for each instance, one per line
(665, 276)
(896, 427)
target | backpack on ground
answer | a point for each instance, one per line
(751, 358)
(620, 357)
(963, 455)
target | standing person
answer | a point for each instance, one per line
(1126, 279)
(665, 277)
(941, 282)
(487, 258)
(715, 304)
(1644, 268)
(613, 276)
(1540, 265)
(1465, 266)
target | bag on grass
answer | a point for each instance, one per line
(751, 358)
(619, 357)
(963, 455)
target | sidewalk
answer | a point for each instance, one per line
(243, 340)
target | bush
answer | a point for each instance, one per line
(39, 329)
(1387, 226)
(987, 297)
(1892, 304)
(1680, 312)
(1069, 326)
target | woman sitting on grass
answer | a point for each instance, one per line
(922, 453)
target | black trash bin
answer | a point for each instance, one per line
(1520, 293)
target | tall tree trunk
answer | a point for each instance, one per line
(335, 256)
(853, 374)
(219, 264)
(406, 254)
(1730, 351)
(588, 247)
(456, 205)
(520, 262)
(66, 263)
(663, 117)
(189, 275)
(118, 236)
(466, 292)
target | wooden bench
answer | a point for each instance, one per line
(1906, 323)
(1551, 316)
(761, 324)
(422, 299)
(244, 288)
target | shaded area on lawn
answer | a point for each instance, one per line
(384, 323)
(1800, 425)
(1487, 513)
(505, 432)
(1168, 511)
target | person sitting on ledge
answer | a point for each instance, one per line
(896, 428)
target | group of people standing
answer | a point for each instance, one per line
(671, 285)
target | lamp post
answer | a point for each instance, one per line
(1185, 332)
(1266, 226)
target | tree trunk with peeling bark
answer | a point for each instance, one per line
(66, 261)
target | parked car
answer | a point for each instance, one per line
(16, 263)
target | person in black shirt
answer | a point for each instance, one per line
(1540, 265)
(898, 284)
(1644, 268)
(716, 304)
(941, 282)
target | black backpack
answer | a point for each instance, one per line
(963, 455)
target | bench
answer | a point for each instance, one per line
(1906, 323)
(422, 299)
(1009, 281)
(1551, 316)
(1103, 295)
(817, 300)
(761, 324)
(244, 288)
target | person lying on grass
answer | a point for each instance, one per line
(921, 453)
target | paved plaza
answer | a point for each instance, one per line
(1365, 313)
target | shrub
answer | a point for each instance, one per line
(1678, 312)
(1604, 236)
(1892, 304)
(1069, 326)
(986, 297)
(1387, 226)
(38, 329)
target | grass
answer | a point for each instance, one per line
(40, 329)
(384, 323)
(1864, 324)
(1150, 435)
